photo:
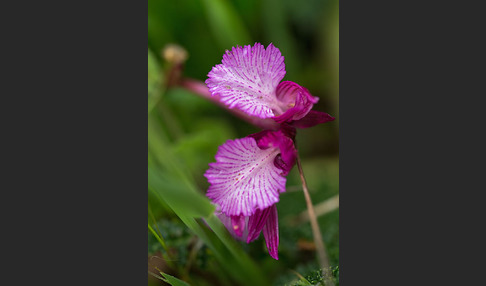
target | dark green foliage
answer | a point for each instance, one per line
(311, 276)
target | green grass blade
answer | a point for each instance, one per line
(173, 280)
(161, 241)
(275, 27)
(226, 25)
(177, 196)
(154, 81)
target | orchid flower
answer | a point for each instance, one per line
(249, 79)
(246, 180)
(249, 173)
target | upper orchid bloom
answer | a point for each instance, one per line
(249, 79)
(246, 180)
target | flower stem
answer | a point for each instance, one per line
(321, 250)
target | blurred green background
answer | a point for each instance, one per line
(186, 242)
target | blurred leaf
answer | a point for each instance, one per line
(190, 108)
(154, 74)
(230, 255)
(198, 148)
(171, 182)
(226, 25)
(160, 151)
(154, 80)
(330, 43)
(247, 10)
(154, 245)
(158, 237)
(275, 25)
(173, 280)
(178, 196)
(159, 33)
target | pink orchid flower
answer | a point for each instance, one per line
(246, 180)
(249, 79)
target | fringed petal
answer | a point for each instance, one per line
(244, 177)
(247, 79)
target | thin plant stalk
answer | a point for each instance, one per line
(320, 248)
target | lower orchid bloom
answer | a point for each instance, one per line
(246, 180)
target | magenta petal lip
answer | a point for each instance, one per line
(249, 173)
(285, 160)
(296, 101)
(244, 177)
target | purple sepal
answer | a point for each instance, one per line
(270, 232)
(238, 224)
(256, 222)
(228, 223)
(313, 118)
(295, 100)
(288, 130)
(243, 228)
